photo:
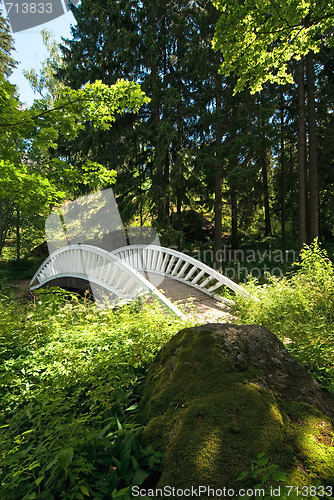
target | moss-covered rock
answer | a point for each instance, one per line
(217, 395)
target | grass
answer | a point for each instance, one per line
(70, 380)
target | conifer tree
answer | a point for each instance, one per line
(166, 46)
(7, 63)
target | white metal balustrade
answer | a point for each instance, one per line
(179, 266)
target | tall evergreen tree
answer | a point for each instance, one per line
(7, 63)
(166, 46)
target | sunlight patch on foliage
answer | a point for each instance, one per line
(299, 309)
(70, 378)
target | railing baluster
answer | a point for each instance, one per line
(214, 287)
(127, 285)
(113, 274)
(164, 263)
(159, 261)
(197, 277)
(120, 279)
(205, 282)
(171, 262)
(183, 268)
(176, 267)
(191, 272)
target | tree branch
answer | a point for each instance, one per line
(21, 122)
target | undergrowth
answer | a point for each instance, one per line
(299, 309)
(70, 380)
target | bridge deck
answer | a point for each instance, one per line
(196, 304)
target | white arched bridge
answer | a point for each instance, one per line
(132, 270)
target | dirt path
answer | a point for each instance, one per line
(21, 288)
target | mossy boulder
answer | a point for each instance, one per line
(219, 394)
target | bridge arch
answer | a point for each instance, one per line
(102, 269)
(121, 272)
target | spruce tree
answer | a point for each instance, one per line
(7, 63)
(165, 46)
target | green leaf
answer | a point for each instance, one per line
(263, 461)
(131, 408)
(279, 476)
(134, 462)
(119, 493)
(119, 425)
(84, 490)
(124, 463)
(242, 475)
(116, 462)
(65, 456)
(52, 463)
(34, 465)
(39, 480)
(31, 496)
(139, 477)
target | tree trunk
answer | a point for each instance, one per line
(159, 160)
(234, 216)
(18, 236)
(283, 179)
(178, 166)
(217, 244)
(313, 228)
(166, 184)
(265, 163)
(267, 224)
(158, 190)
(301, 156)
(292, 206)
(2, 231)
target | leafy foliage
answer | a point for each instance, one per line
(263, 473)
(258, 39)
(299, 309)
(32, 178)
(45, 82)
(23, 189)
(70, 377)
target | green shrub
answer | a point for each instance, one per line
(70, 378)
(299, 309)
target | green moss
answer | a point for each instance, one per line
(211, 419)
(312, 436)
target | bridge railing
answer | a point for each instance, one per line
(179, 266)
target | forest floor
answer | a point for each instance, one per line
(20, 287)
